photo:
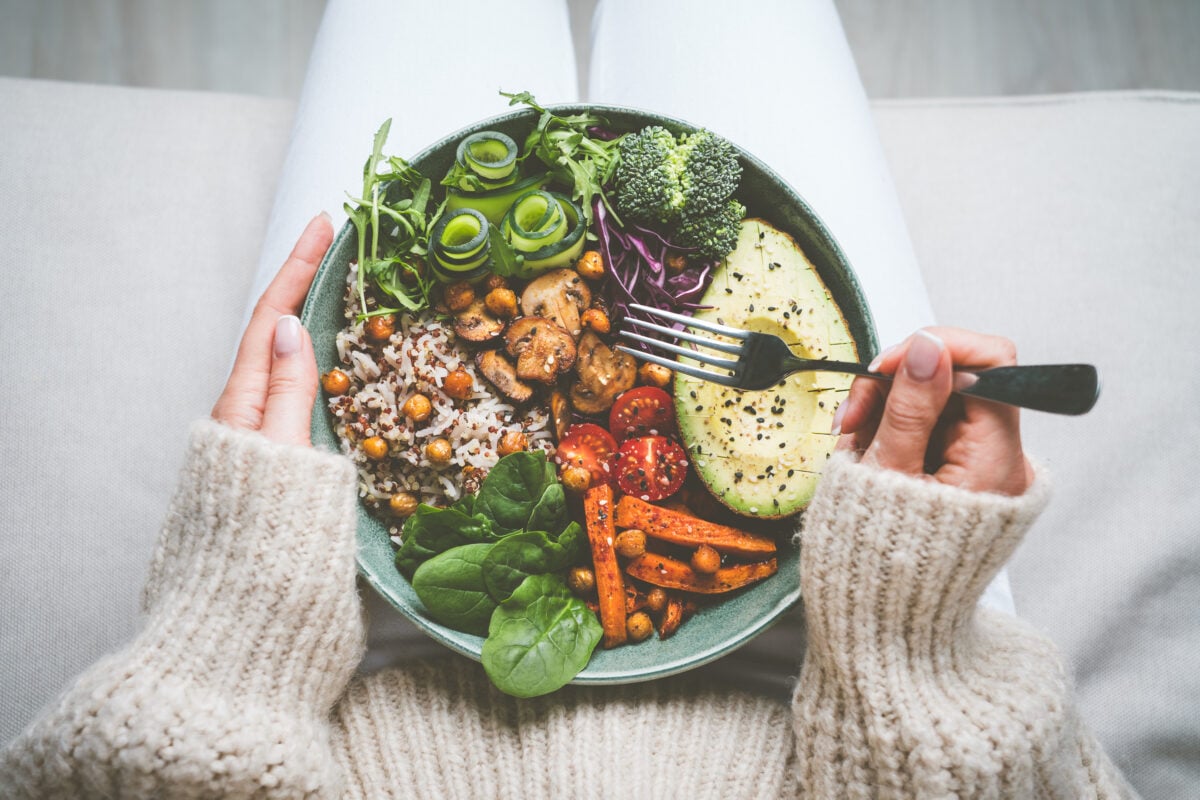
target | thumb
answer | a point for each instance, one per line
(916, 399)
(292, 387)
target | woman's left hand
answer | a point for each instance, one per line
(274, 381)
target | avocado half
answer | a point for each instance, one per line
(761, 453)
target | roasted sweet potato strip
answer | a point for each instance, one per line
(680, 528)
(671, 573)
(672, 617)
(610, 584)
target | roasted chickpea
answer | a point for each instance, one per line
(458, 384)
(375, 448)
(676, 263)
(581, 581)
(502, 302)
(639, 626)
(591, 265)
(654, 375)
(403, 504)
(380, 327)
(706, 560)
(495, 281)
(512, 442)
(417, 408)
(596, 319)
(459, 296)
(335, 382)
(576, 479)
(656, 599)
(439, 452)
(630, 543)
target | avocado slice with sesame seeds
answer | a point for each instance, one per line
(761, 453)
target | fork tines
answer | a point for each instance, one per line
(695, 355)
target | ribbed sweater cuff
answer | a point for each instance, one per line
(252, 584)
(903, 556)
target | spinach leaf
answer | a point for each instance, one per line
(513, 488)
(550, 513)
(539, 639)
(519, 555)
(431, 530)
(451, 587)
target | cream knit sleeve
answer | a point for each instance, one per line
(908, 689)
(253, 630)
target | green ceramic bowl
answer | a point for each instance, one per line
(715, 630)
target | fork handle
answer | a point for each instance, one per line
(1057, 388)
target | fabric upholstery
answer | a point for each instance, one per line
(130, 223)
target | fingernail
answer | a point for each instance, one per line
(836, 430)
(878, 360)
(287, 336)
(924, 354)
(326, 215)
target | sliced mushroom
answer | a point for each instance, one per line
(603, 374)
(560, 295)
(560, 414)
(500, 371)
(476, 324)
(543, 350)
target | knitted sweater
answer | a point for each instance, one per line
(242, 682)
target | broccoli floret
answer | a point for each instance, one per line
(684, 185)
(647, 177)
(714, 235)
(711, 174)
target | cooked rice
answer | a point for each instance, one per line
(417, 359)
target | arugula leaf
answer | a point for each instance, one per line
(539, 638)
(512, 489)
(506, 261)
(574, 157)
(393, 229)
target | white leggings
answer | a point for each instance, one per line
(775, 76)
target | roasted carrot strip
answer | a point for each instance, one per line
(610, 584)
(671, 573)
(677, 527)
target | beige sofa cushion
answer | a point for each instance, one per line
(130, 222)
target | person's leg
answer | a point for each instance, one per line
(422, 65)
(776, 77)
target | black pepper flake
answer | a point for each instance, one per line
(791, 472)
(759, 420)
(820, 403)
(692, 394)
(782, 445)
(737, 275)
(699, 408)
(750, 409)
(762, 235)
(772, 308)
(760, 437)
(728, 290)
(737, 476)
(786, 315)
(729, 404)
(726, 421)
(778, 424)
(783, 487)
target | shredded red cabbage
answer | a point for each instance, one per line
(635, 260)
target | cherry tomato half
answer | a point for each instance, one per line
(640, 411)
(650, 467)
(588, 446)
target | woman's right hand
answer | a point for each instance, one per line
(916, 426)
